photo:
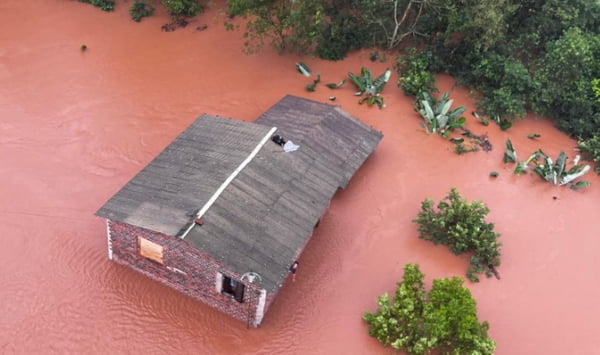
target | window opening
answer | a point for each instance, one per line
(233, 288)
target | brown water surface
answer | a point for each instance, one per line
(75, 126)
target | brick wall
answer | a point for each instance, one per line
(185, 269)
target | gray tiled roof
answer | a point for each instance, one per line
(265, 216)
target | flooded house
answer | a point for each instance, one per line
(226, 208)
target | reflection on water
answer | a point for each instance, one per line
(74, 127)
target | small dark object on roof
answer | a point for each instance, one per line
(277, 139)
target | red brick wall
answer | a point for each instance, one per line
(199, 280)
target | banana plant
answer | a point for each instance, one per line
(523, 165)
(369, 87)
(558, 174)
(437, 114)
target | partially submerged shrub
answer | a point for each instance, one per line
(414, 73)
(591, 148)
(461, 226)
(437, 114)
(443, 320)
(140, 9)
(556, 173)
(105, 5)
(179, 9)
(369, 87)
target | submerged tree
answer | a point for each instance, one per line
(462, 227)
(443, 320)
(289, 24)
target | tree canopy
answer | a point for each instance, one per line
(419, 322)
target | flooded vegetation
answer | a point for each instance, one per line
(76, 124)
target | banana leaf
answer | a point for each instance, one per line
(360, 84)
(570, 177)
(336, 86)
(442, 121)
(303, 69)
(457, 112)
(381, 80)
(520, 168)
(443, 109)
(540, 169)
(561, 162)
(366, 75)
(579, 185)
(444, 97)
(510, 156)
(457, 123)
(505, 124)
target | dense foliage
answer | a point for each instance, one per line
(462, 227)
(140, 9)
(518, 55)
(443, 320)
(292, 25)
(415, 75)
(179, 9)
(105, 5)
(591, 148)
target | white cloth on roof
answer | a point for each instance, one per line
(289, 146)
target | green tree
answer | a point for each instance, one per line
(462, 227)
(565, 75)
(415, 75)
(538, 22)
(105, 5)
(289, 24)
(140, 9)
(442, 321)
(179, 9)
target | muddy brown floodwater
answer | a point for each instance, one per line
(75, 126)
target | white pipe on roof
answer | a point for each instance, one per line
(230, 179)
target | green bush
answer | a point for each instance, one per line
(591, 148)
(342, 35)
(462, 228)
(506, 85)
(179, 9)
(105, 5)
(414, 73)
(566, 74)
(140, 9)
(441, 321)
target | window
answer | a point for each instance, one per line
(233, 288)
(150, 250)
